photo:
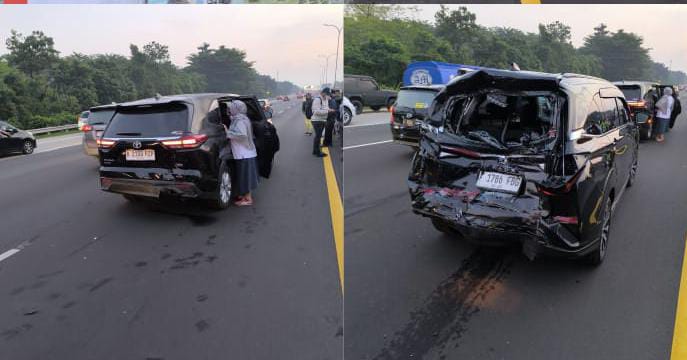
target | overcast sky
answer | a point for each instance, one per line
(284, 38)
(661, 26)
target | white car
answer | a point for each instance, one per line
(347, 110)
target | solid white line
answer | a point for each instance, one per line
(362, 125)
(368, 144)
(8, 253)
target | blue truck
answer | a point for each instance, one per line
(433, 72)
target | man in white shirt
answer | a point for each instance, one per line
(664, 107)
(320, 112)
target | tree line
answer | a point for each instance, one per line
(39, 88)
(381, 40)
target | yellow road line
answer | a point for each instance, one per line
(336, 209)
(530, 1)
(679, 351)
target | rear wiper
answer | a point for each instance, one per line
(129, 134)
(486, 138)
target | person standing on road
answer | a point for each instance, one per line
(307, 111)
(677, 109)
(320, 113)
(664, 107)
(240, 134)
(331, 120)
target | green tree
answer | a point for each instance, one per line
(225, 69)
(31, 54)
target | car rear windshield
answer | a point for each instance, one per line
(150, 121)
(415, 99)
(631, 92)
(100, 117)
(504, 121)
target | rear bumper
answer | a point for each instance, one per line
(538, 235)
(152, 182)
(150, 188)
(405, 135)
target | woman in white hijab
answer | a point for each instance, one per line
(240, 134)
(664, 107)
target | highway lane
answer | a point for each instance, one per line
(98, 277)
(412, 292)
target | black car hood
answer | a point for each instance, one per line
(500, 79)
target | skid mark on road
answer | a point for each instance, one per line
(444, 316)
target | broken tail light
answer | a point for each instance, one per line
(105, 143)
(564, 189)
(185, 142)
(461, 151)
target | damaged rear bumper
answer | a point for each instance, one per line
(537, 234)
(151, 182)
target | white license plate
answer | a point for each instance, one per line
(140, 155)
(499, 182)
(410, 122)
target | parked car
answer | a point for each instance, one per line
(641, 102)
(527, 158)
(13, 140)
(82, 119)
(172, 146)
(364, 91)
(96, 123)
(409, 111)
(347, 111)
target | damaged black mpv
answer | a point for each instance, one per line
(532, 158)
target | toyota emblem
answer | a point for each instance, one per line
(137, 144)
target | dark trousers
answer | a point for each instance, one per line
(328, 130)
(318, 126)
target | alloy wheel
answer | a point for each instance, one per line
(225, 188)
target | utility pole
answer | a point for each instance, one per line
(338, 38)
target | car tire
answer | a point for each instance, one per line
(596, 257)
(358, 106)
(347, 116)
(222, 195)
(27, 147)
(645, 134)
(375, 108)
(443, 227)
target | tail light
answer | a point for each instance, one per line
(86, 128)
(105, 143)
(567, 186)
(566, 219)
(392, 120)
(185, 142)
(461, 151)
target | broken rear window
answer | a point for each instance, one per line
(504, 121)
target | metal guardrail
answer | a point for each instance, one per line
(50, 129)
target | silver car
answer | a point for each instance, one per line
(97, 121)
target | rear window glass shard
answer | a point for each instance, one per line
(504, 121)
(165, 120)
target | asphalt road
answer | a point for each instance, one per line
(98, 277)
(413, 293)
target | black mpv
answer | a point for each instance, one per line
(173, 146)
(540, 160)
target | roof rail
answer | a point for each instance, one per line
(574, 75)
